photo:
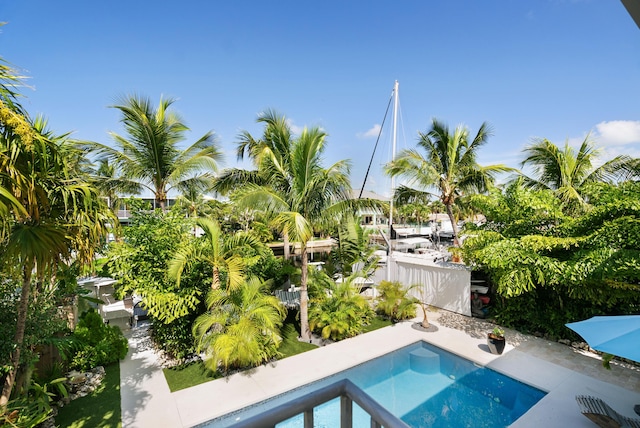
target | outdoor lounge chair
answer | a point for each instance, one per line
(602, 415)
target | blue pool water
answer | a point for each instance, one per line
(426, 387)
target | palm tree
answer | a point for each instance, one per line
(292, 184)
(193, 203)
(241, 326)
(353, 253)
(271, 156)
(395, 301)
(150, 157)
(448, 166)
(111, 186)
(566, 172)
(217, 249)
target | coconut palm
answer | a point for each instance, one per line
(241, 326)
(566, 171)
(448, 168)
(149, 155)
(193, 203)
(217, 249)
(270, 155)
(295, 188)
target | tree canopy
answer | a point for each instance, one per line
(568, 267)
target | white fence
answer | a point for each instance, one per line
(444, 285)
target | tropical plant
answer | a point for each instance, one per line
(62, 215)
(140, 262)
(549, 268)
(448, 167)
(395, 301)
(218, 250)
(353, 248)
(33, 408)
(111, 186)
(518, 211)
(241, 326)
(149, 155)
(566, 172)
(497, 332)
(291, 184)
(193, 203)
(340, 311)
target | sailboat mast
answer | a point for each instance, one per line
(393, 153)
(393, 157)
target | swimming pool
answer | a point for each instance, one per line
(423, 385)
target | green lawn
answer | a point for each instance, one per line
(187, 375)
(377, 323)
(101, 409)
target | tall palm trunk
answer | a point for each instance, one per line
(454, 225)
(19, 336)
(305, 332)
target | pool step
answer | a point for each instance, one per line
(424, 361)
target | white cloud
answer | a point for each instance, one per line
(295, 129)
(617, 132)
(371, 133)
(610, 152)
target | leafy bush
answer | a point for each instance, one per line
(559, 269)
(340, 314)
(395, 302)
(101, 344)
(176, 338)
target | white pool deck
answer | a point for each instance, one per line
(559, 370)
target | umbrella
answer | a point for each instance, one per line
(616, 335)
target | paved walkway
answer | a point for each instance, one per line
(558, 369)
(145, 396)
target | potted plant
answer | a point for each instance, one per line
(496, 341)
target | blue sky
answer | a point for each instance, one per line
(557, 69)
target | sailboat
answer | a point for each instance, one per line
(443, 284)
(420, 246)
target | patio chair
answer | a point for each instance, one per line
(602, 415)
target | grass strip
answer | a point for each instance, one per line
(100, 409)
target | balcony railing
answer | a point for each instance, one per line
(348, 393)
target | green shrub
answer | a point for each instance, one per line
(340, 314)
(101, 344)
(32, 409)
(175, 338)
(394, 301)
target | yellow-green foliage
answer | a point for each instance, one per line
(395, 301)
